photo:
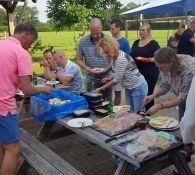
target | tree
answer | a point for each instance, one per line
(30, 15)
(76, 13)
(3, 19)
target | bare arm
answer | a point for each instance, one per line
(28, 89)
(106, 86)
(108, 68)
(156, 94)
(63, 79)
(49, 75)
(81, 63)
(167, 104)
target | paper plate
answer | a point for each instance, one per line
(97, 70)
(52, 82)
(164, 123)
(77, 122)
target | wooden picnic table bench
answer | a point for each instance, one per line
(41, 158)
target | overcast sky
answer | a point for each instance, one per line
(41, 6)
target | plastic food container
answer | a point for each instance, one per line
(93, 96)
(102, 112)
(82, 113)
(95, 103)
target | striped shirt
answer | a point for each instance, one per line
(126, 72)
(72, 70)
(90, 53)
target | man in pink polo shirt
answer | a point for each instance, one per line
(15, 70)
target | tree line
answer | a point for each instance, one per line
(75, 15)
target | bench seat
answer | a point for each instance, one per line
(42, 159)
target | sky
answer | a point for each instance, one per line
(41, 6)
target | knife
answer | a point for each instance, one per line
(115, 137)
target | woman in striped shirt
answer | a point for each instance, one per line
(125, 72)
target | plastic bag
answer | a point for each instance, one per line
(43, 111)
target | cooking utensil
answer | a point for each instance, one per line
(115, 137)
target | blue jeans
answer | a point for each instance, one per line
(135, 97)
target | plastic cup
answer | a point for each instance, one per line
(142, 125)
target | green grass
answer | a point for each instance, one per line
(67, 41)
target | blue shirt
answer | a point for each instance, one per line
(124, 45)
(73, 70)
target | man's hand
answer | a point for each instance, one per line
(148, 99)
(44, 63)
(87, 69)
(154, 109)
(47, 89)
(52, 64)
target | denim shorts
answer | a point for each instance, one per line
(9, 128)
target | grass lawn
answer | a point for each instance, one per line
(67, 41)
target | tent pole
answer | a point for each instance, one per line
(126, 29)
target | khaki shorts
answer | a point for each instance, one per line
(117, 87)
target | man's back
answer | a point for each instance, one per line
(14, 62)
(185, 46)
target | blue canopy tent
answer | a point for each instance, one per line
(165, 6)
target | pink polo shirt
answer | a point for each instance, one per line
(14, 62)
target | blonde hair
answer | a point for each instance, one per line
(108, 45)
(167, 55)
(147, 27)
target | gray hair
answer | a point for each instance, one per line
(95, 21)
(26, 27)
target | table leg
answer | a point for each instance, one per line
(180, 163)
(44, 134)
(20, 108)
(23, 167)
(44, 130)
(124, 168)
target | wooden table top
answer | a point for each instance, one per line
(99, 139)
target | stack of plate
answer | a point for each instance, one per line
(164, 123)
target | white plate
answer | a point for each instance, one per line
(169, 123)
(77, 122)
(122, 108)
(52, 82)
(97, 70)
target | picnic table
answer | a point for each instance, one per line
(165, 158)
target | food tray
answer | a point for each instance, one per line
(81, 113)
(95, 103)
(154, 152)
(101, 112)
(117, 123)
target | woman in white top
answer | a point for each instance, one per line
(187, 124)
(125, 72)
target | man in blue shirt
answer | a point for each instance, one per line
(115, 29)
